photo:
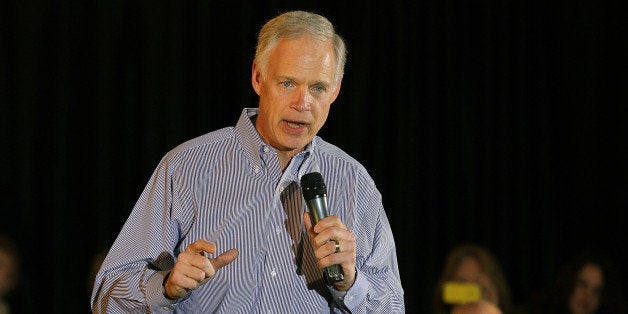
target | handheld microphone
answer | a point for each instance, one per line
(315, 195)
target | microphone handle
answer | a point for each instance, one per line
(318, 211)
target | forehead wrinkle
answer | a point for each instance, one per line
(296, 60)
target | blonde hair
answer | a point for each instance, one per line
(296, 24)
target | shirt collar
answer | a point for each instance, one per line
(252, 142)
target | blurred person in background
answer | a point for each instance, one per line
(9, 274)
(586, 284)
(470, 263)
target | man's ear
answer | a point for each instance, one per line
(337, 91)
(256, 76)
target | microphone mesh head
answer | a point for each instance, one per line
(312, 185)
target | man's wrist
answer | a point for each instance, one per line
(345, 285)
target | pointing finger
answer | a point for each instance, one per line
(224, 259)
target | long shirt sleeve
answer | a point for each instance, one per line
(227, 187)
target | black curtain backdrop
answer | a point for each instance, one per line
(501, 123)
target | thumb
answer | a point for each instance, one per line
(307, 221)
(309, 226)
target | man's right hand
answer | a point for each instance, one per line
(194, 269)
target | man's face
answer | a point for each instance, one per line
(295, 93)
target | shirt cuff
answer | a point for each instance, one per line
(355, 295)
(156, 294)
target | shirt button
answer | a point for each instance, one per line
(256, 169)
(278, 230)
(273, 273)
(281, 189)
(265, 149)
(349, 297)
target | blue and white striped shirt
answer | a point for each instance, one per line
(227, 187)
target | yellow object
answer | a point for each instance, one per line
(461, 292)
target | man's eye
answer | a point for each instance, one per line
(286, 83)
(318, 89)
